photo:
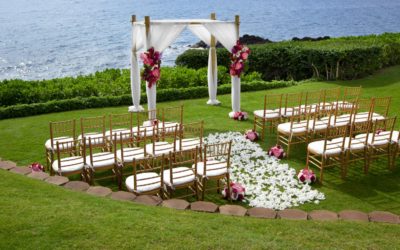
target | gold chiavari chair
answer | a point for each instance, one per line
(330, 98)
(312, 102)
(295, 131)
(98, 160)
(292, 105)
(214, 165)
(157, 147)
(380, 140)
(62, 131)
(270, 116)
(95, 128)
(381, 107)
(147, 177)
(70, 158)
(120, 123)
(357, 148)
(395, 148)
(328, 152)
(180, 173)
(350, 97)
(147, 121)
(190, 136)
(170, 117)
(129, 147)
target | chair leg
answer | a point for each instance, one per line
(321, 174)
(218, 186)
(204, 181)
(229, 187)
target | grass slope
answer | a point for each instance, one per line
(22, 140)
(37, 215)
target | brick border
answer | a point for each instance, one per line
(209, 207)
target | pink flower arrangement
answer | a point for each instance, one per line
(251, 135)
(237, 192)
(151, 62)
(239, 55)
(306, 176)
(240, 116)
(36, 167)
(277, 151)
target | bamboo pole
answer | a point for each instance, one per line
(237, 23)
(213, 48)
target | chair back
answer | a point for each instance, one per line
(99, 144)
(351, 94)
(149, 164)
(130, 140)
(331, 95)
(93, 124)
(192, 133)
(183, 158)
(272, 102)
(381, 106)
(338, 133)
(121, 121)
(313, 99)
(147, 121)
(292, 104)
(382, 131)
(172, 114)
(62, 128)
(65, 149)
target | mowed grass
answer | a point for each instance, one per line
(22, 140)
(36, 215)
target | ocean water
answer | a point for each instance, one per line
(42, 39)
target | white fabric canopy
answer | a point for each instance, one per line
(162, 33)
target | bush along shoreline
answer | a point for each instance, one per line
(163, 95)
(343, 58)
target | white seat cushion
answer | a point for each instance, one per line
(379, 140)
(355, 144)
(148, 130)
(96, 138)
(180, 175)
(269, 114)
(342, 120)
(188, 143)
(317, 147)
(118, 131)
(213, 168)
(288, 112)
(169, 126)
(130, 154)
(102, 159)
(145, 182)
(58, 139)
(319, 125)
(298, 128)
(69, 164)
(161, 147)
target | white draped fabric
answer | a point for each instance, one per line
(227, 35)
(212, 73)
(161, 34)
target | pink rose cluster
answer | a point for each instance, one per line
(251, 135)
(240, 116)
(239, 55)
(277, 152)
(151, 62)
(237, 192)
(36, 167)
(306, 176)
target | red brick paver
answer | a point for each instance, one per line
(57, 180)
(292, 214)
(261, 212)
(38, 175)
(149, 200)
(381, 216)
(232, 210)
(77, 185)
(176, 204)
(203, 206)
(21, 170)
(99, 191)
(353, 215)
(322, 215)
(123, 195)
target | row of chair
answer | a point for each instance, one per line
(155, 172)
(363, 141)
(281, 107)
(95, 127)
(311, 124)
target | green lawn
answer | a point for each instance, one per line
(37, 215)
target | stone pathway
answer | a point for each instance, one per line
(205, 206)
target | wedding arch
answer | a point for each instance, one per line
(159, 34)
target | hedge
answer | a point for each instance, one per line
(332, 59)
(163, 95)
(110, 82)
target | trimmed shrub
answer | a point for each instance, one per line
(333, 59)
(163, 95)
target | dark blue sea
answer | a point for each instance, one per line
(53, 38)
